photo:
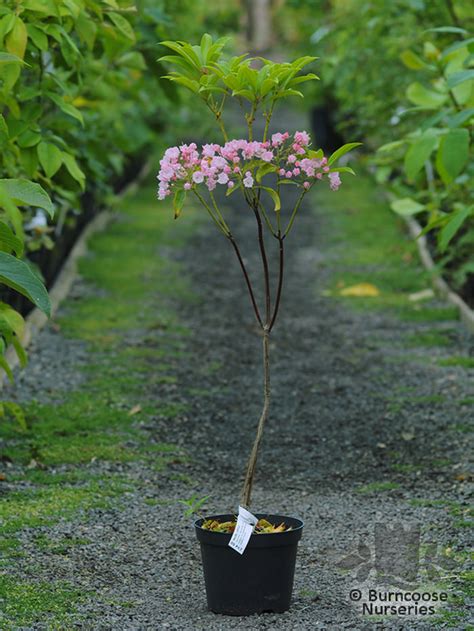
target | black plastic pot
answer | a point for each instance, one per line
(258, 581)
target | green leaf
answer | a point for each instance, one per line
(39, 39)
(455, 222)
(133, 59)
(231, 190)
(20, 351)
(50, 158)
(406, 207)
(71, 165)
(341, 170)
(123, 25)
(418, 153)
(342, 151)
(86, 29)
(457, 78)
(47, 7)
(461, 117)
(15, 41)
(447, 29)
(4, 364)
(453, 154)
(26, 193)
(389, 146)
(8, 241)
(28, 138)
(264, 169)
(67, 108)
(274, 195)
(419, 95)
(18, 275)
(10, 320)
(6, 25)
(8, 58)
(412, 61)
(4, 133)
(178, 202)
(464, 43)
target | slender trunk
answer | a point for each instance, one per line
(252, 463)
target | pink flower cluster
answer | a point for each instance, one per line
(235, 163)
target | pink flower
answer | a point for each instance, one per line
(277, 139)
(211, 183)
(214, 164)
(172, 153)
(302, 138)
(248, 180)
(334, 181)
(209, 150)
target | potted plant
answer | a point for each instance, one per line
(261, 578)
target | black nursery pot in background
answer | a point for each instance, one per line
(258, 581)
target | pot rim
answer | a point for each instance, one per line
(299, 527)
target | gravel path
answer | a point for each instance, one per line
(331, 432)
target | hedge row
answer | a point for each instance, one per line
(401, 77)
(80, 97)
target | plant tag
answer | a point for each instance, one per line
(246, 523)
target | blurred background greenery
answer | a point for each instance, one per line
(83, 106)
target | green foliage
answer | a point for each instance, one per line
(73, 84)
(209, 75)
(193, 505)
(437, 178)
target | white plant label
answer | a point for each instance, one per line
(244, 528)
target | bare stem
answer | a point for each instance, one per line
(223, 228)
(252, 463)
(247, 279)
(293, 214)
(268, 118)
(280, 280)
(266, 273)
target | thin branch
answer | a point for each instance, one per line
(223, 228)
(252, 463)
(293, 214)
(247, 279)
(218, 212)
(266, 274)
(280, 280)
(267, 220)
(268, 118)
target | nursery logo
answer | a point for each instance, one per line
(396, 557)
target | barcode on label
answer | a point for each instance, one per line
(244, 528)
